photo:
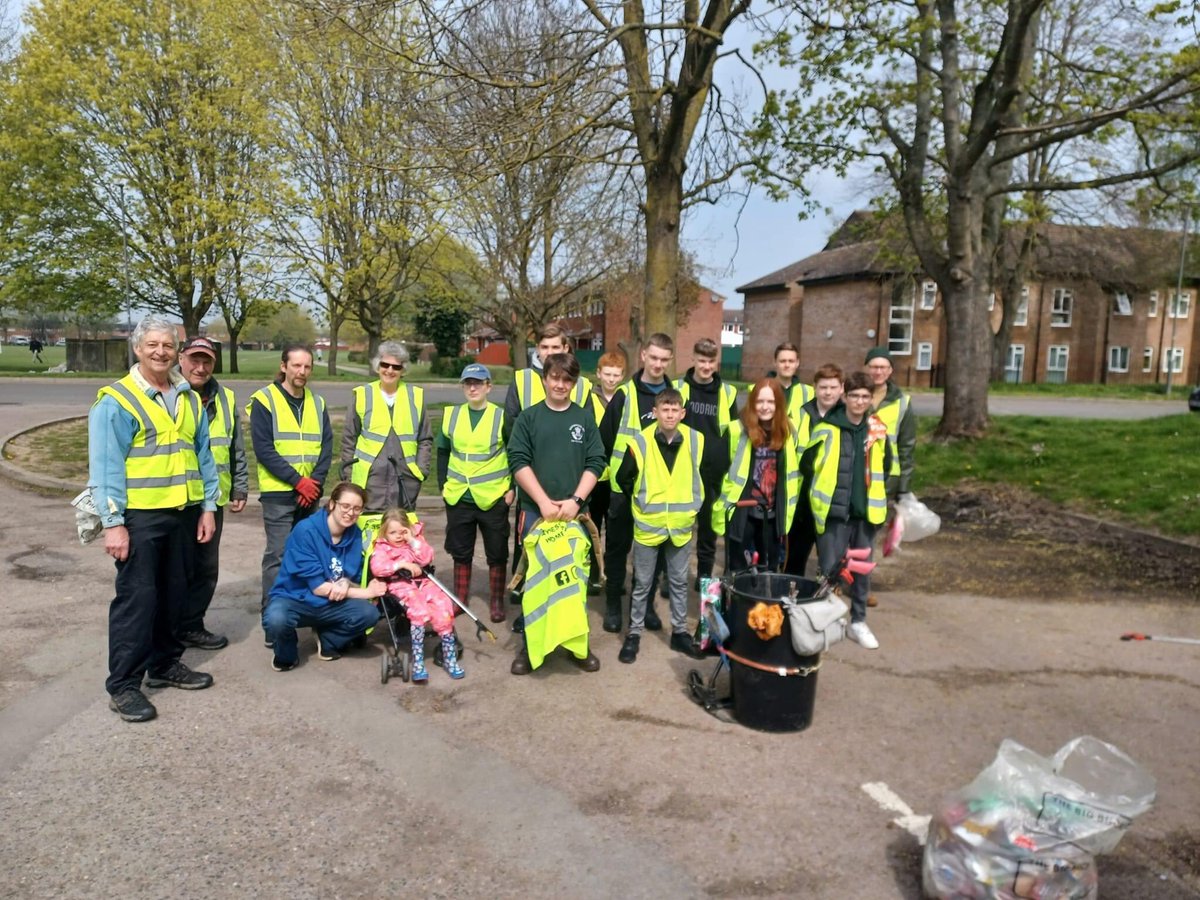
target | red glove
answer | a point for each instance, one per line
(309, 491)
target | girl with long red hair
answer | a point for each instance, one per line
(760, 490)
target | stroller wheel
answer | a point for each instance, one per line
(405, 662)
(385, 669)
(695, 683)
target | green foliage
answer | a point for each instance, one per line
(1145, 472)
(450, 366)
(444, 327)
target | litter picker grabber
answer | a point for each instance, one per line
(480, 628)
(1138, 636)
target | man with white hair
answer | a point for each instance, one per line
(154, 483)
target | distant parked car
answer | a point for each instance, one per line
(61, 342)
(19, 340)
(1194, 400)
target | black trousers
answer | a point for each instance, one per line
(801, 538)
(618, 541)
(759, 536)
(152, 591)
(462, 520)
(706, 538)
(206, 568)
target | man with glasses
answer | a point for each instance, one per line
(849, 458)
(196, 360)
(387, 445)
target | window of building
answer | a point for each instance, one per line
(991, 301)
(900, 325)
(929, 295)
(1148, 359)
(1056, 363)
(1060, 308)
(597, 342)
(1153, 304)
(1014, 363)
(1121, 304)
(1180, 305)
(1118, 359)
(1172, 360)
(924, 356)
(1021, 316)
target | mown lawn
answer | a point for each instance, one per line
(1144, 472)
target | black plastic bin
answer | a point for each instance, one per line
(768, 701)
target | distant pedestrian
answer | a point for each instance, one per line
(35, 347)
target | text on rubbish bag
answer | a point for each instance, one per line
(1059, 810)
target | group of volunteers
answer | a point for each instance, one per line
(657, 466)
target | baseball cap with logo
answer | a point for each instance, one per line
(477, 371)
(199, 345)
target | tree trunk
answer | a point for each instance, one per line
(664, 200)
(968, 331)
(233, 350)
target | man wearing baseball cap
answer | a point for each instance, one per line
(476, 485)
(197, 358)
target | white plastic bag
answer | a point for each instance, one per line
(1029, 826)
(87, 521)
(919, 520)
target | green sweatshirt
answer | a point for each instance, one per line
(558, 446)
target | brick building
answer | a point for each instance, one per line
(1099, 306)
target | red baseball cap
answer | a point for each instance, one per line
(199, 345)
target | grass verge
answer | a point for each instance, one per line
(1145, 473)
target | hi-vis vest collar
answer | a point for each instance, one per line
(531, 390)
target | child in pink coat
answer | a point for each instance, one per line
(400, 556)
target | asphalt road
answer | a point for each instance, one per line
(62, 391)
(322, 782)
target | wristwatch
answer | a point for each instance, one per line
(579, 501)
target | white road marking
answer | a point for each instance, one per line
(917, 826)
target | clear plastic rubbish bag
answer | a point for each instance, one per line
(1029, 826)
(919, 520)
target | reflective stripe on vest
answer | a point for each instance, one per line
(799, 395)
(891, 415)
(531, 390)
(478, 461)
(631, 426)
(220, 439)
(825, 476)
(298, 443)
(554, 601)
(379, 420)
(666, 501)
(161, 468)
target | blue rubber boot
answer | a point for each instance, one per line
(419, 675)
(450, 657)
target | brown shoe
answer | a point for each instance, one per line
(521, 664)
(871, 601)
(589, 663)
(496, 609)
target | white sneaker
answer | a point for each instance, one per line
(861, 635)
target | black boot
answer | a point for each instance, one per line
(612, 615)
(652, 621)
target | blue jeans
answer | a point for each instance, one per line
(337, 623)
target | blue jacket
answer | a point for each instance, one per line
(311, 558)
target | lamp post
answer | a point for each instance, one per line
(1173, 308)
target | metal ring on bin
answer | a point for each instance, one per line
(778, 670)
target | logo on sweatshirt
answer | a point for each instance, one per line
(576, 434)
(335, 566)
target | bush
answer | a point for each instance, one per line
(450, 366)
(358, 356)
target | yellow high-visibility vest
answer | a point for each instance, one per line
(220, 439)
(630, 427)
(825, 473)
(378, 421)
(161, 468)
(666, 501)
(531, 390)
(478, 461)
(555, 600)
(738, 476)
(891, 414)
(299, 443)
